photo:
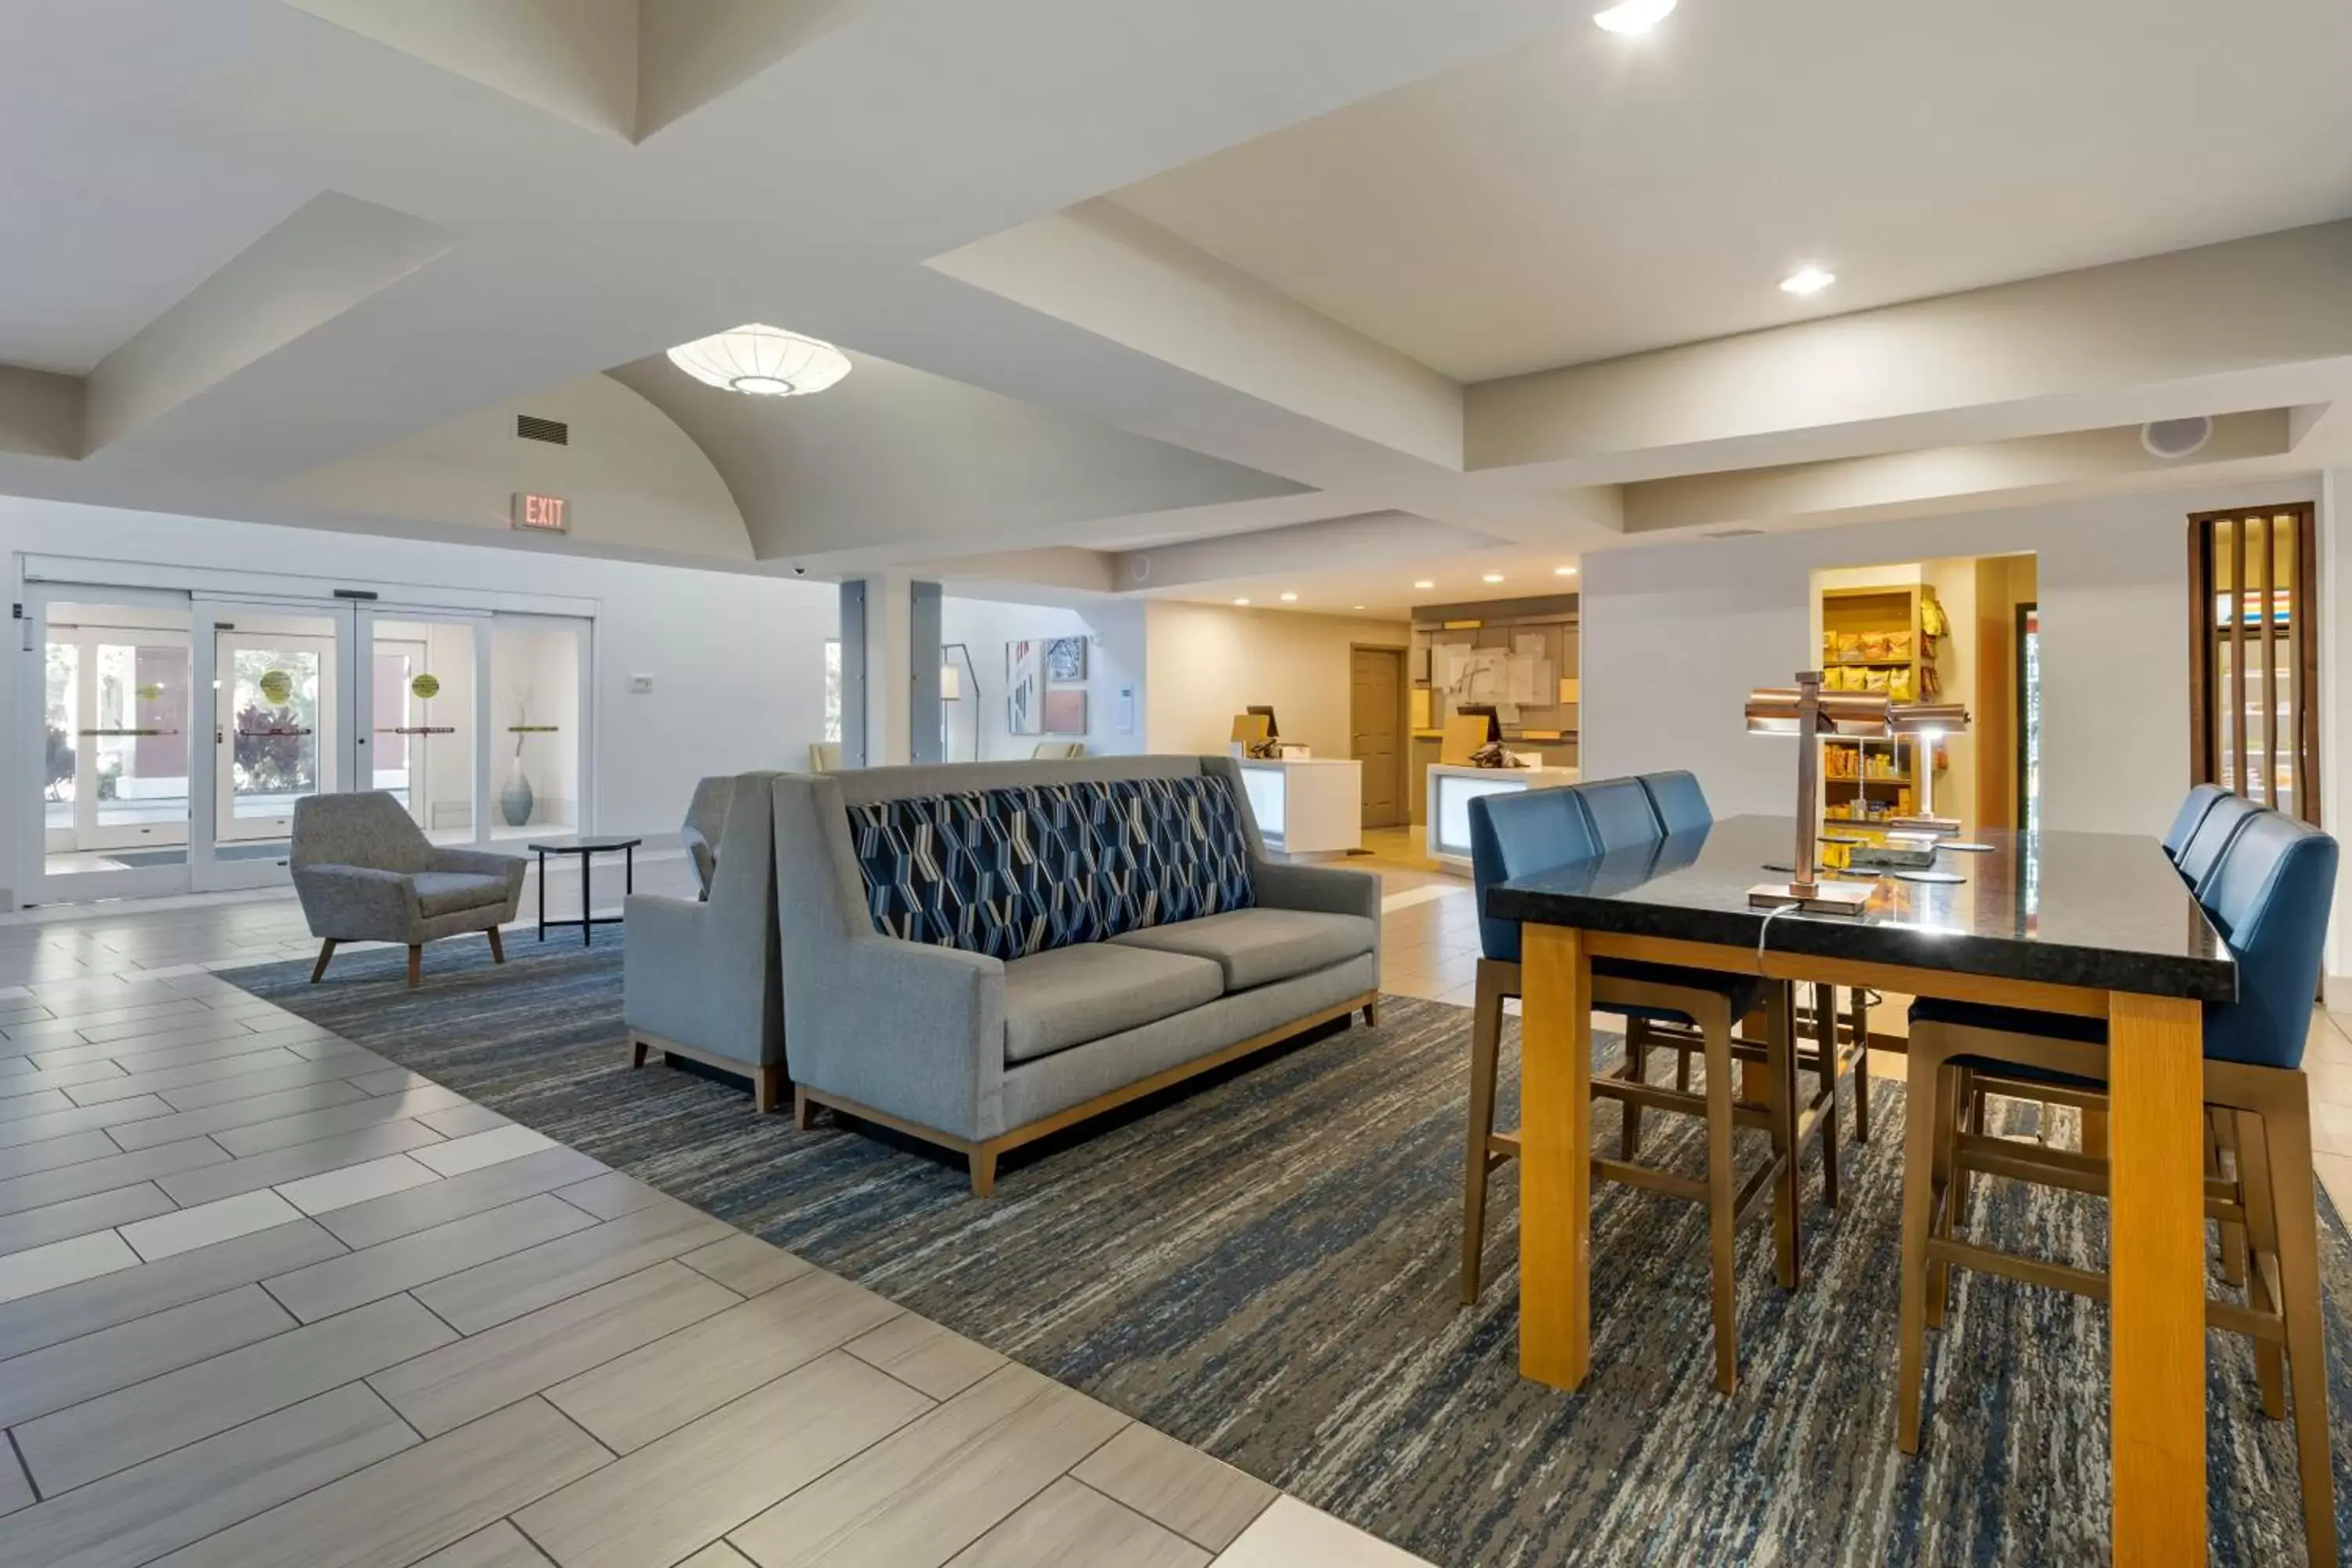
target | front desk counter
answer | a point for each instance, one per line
(1308, 809)
(1452, 788)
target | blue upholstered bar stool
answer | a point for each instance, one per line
(2269, 896)
(2211, 837)
(2200, 800)
(1840, 1042)
(1537, 830)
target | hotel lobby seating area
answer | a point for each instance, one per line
(915, 783)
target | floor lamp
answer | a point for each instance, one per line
(951, 681)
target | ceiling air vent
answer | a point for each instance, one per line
(531, 427)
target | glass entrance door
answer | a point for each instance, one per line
(276, 730)
(114, 793)
(425, 738)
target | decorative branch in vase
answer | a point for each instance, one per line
(516, 800)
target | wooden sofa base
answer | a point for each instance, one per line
(767, 1081)
(982, 1154)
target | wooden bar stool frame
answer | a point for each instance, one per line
(2260, 1188)
(1779, 1115)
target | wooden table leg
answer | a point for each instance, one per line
(1555, 1157)
(2157, 1218)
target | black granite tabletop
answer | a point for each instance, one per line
(2098, 910)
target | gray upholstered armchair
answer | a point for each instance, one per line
(706, 819)
(366, 872)
(705, 979)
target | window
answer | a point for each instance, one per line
(832, 689)
(2254, 709)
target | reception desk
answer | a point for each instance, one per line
(1308, 807)
(1452, 788)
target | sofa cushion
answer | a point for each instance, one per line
(1068, 995)
(447, 892)
(1256, 947)
(1011, 873)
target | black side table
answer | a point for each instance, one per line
(587, 848)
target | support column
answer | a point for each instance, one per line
(926, 718)
(890, 671)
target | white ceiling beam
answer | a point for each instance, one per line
(334, 253)
(1099, 266)
(2182, 333)
(1798, 490)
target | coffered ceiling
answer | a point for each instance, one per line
(1442, 285)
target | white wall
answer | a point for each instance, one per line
(1675, 636)
(738, 660)
(1113, 662)
(1209, 663)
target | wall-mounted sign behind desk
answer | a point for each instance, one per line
(542, 514)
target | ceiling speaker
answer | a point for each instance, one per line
(2176, 438)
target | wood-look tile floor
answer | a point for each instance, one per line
(269, 1300)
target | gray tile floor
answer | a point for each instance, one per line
(267, 1299)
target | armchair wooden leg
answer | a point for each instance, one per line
(1485, 1056)
(497, 946)
(415, 964)
(1371, 1015)
(637, 1052)
(804, 1109)
(984, 1172)
(326, 951)
(766, 1087)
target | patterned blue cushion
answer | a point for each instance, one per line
(1009, 872)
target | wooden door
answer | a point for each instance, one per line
(1376, 731)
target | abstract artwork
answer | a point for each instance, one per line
(1065, 660)
(1025, 686)
(1066, 711)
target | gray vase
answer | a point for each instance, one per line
(515, 801)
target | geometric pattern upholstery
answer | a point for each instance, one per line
(1009, 872)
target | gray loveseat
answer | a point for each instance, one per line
(981, 954)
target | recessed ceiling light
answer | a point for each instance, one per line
(1241, 601)
(1290, 598)
(1635, 16)
(1355, 606)
(1563, 571)
(1494, 576)
(1424, 583)
(1807, 281)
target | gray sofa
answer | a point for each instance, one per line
(703, 978)
(981, 954)
(366, 872)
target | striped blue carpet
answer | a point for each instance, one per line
(1266, 1267)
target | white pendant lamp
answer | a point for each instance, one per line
(762, 362)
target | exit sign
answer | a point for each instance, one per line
(542, 514)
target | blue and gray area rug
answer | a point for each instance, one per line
(1266, 1267)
